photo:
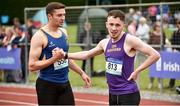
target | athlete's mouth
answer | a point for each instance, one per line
(114, 33)
(61, 22)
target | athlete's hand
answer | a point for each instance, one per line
(58, 53)
(133, 76)
(86, 79)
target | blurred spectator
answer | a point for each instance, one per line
(11, 75)
(165, 14)
(137, 16)
(177, 15)
(143, 30)
(9, 37)
(20, 34)
(129, 16)
(2, 35)
(175, 40)
(31, 29)
(18, 41)
(132, 27)
(143, 33)
(87, 27)
(96, 28)
(165, 23)
(16, 22)
(165, 10)
(152, 12)
(37, 24)
(155, 39)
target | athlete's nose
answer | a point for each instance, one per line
(113, 27)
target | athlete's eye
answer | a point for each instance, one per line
(61, 15)
(111, 24)
(117, 25)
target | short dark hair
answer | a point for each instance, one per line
(52, 6)
(117, 13)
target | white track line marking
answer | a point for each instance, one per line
(18, 102)
(33, 95)
(17, 94)
(92, 101)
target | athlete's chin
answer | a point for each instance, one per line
(113, 36)
(60, 25)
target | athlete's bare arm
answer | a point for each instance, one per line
(78, 70)
(99, 49)
(37, 44)
(135, 43)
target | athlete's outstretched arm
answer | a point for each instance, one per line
(83, 55)
(78, 70)
(36, 47)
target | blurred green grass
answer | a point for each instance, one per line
(99, 64)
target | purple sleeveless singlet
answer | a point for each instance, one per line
(119, 67)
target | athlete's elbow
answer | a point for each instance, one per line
(31, 67)
(157, 56)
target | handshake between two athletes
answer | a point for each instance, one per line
(59, 53)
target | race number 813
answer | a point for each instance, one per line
(112, 66)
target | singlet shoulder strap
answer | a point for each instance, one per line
(109, 42)
(63, 33)
(44, 32)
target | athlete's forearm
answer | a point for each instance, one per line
(75, 67)
(38, 65)
(79, 55)
(150, 60)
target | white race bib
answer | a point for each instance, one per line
(60, 64)
(114, 66)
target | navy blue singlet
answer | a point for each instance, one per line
(57, 72)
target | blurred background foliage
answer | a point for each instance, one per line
(15, 8)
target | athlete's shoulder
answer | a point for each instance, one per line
(105, 40)
(64, 31)
(133, 41)
(130, 37)
(39, 34)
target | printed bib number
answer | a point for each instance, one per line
(60, 64)
(114, 66)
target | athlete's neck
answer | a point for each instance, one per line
(114, 40)
(52, 27)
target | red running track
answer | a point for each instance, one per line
(27, 96)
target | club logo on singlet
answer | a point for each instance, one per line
(114, 66)
(51, 44)
(61, 64)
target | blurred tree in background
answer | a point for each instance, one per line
(15, 8)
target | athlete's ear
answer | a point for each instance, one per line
(49, 17)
